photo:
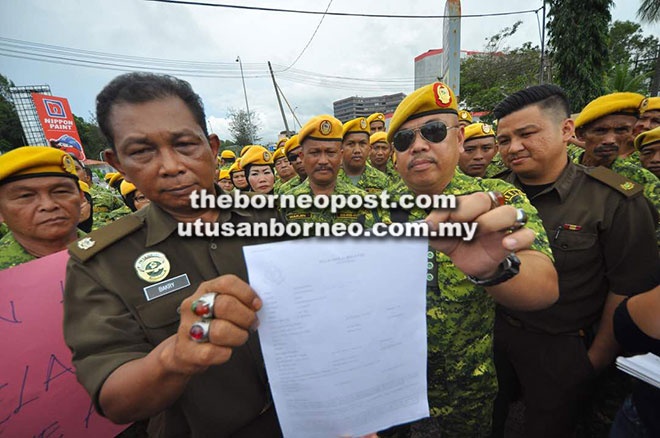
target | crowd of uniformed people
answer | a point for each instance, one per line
(524, 322)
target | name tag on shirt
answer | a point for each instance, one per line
(166, 287)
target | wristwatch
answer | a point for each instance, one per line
(508, 269)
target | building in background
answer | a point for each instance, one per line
(27, 112)
(355, 106)
(429, 65)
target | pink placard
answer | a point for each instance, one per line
(39, 394)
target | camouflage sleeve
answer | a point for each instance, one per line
(574, 152)
(518, 199)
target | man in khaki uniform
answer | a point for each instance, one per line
(131, 286)
(601, 230)
(40, 203)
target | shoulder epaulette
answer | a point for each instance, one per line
(87, 247)
(618, 182)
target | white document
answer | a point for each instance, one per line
(645, 367)
(343, 332)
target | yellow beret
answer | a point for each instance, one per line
(291, 144)
(647, 138)
(224, 174)
(356, 125)
(115, 180)
(108, 175)
(125, 188)
(281, 142)
(465, 115)
(378, 136)
(83, 186)
(279, 153)
(376, 117)
(394, 159)
(478, 130)
(33, 161)
(227, 154)
(435, 98)
(236, 166)
(245, 149)
(256, 155)
(323, 127)
(614, 103)
(649, 104)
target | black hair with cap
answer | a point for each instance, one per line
(546, 96)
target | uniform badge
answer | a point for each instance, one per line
(380, 117)
(486, 129)
(510, 194)
(627, 186)
(86, 243)
(67, 164)
(643, 105)
(325, 127)
(152, 266)
(266, 156)
(442, 95)
(363, 124)
(464, 115)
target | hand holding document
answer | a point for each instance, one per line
(343, 332)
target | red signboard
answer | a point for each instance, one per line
(57, 122)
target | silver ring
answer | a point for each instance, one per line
(521, 219)
(199, 331)
(203, 306)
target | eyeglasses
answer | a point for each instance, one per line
(292, 157)
(434, 132)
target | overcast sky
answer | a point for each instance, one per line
(369, 48)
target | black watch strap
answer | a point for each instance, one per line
(509, 268)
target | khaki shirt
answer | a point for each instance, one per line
(108, 320)
(601, 230)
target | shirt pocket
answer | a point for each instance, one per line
(574, 249)
(159, 317)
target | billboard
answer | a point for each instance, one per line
(58, 125)
(451, 44)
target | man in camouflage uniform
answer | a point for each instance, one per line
(479, 149)
(227, 158)
(40, 203)
(292, 152)
(648, 145)
(462, 292)
(283, 168)
(376, 123)
(380, 157)
(355, 151)
(321, 156)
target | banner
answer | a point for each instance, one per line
(39, 393)
(57, 122)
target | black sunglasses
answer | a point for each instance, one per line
(434, 131)
(292, 157)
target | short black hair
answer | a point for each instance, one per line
(145, 87)
(546, 96)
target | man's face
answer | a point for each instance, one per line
(43, 208)
(80, 171)
(477, 155)
(296, 161)
(531, 140)
(377, 126)
(226, 185)
(238, 179)
(647, 121)
(605, 137)
(427, 167)
(380, 153)
(163, 151)
(650, 158)
(355, 147)
(261, 179)
(284, 168)
(322, 160)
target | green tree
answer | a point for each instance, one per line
(11, 132)
(622, 79)
(91, 137)
(244, 129)
(649, 11)
(578, 39)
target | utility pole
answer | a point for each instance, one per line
(279, 101)
(238, 59)
(542, 46)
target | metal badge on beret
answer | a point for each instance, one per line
(643, 106)
(152, 266)
(67, 164)
(266, 156)
(486, 129)
(363, 124)
(442, 95)
(325, 127)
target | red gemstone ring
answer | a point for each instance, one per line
(496, 199)
(199, 332)
(203, 306)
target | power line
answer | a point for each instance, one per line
(340, 14)
(311, 38)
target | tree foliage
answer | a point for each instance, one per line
(11, 132)
(634, 53)
(244, 129)
(649, 11)
(91, 137)
(578, 38)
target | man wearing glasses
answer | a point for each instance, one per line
(292, 150)
(465, 279)
(355, 151)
